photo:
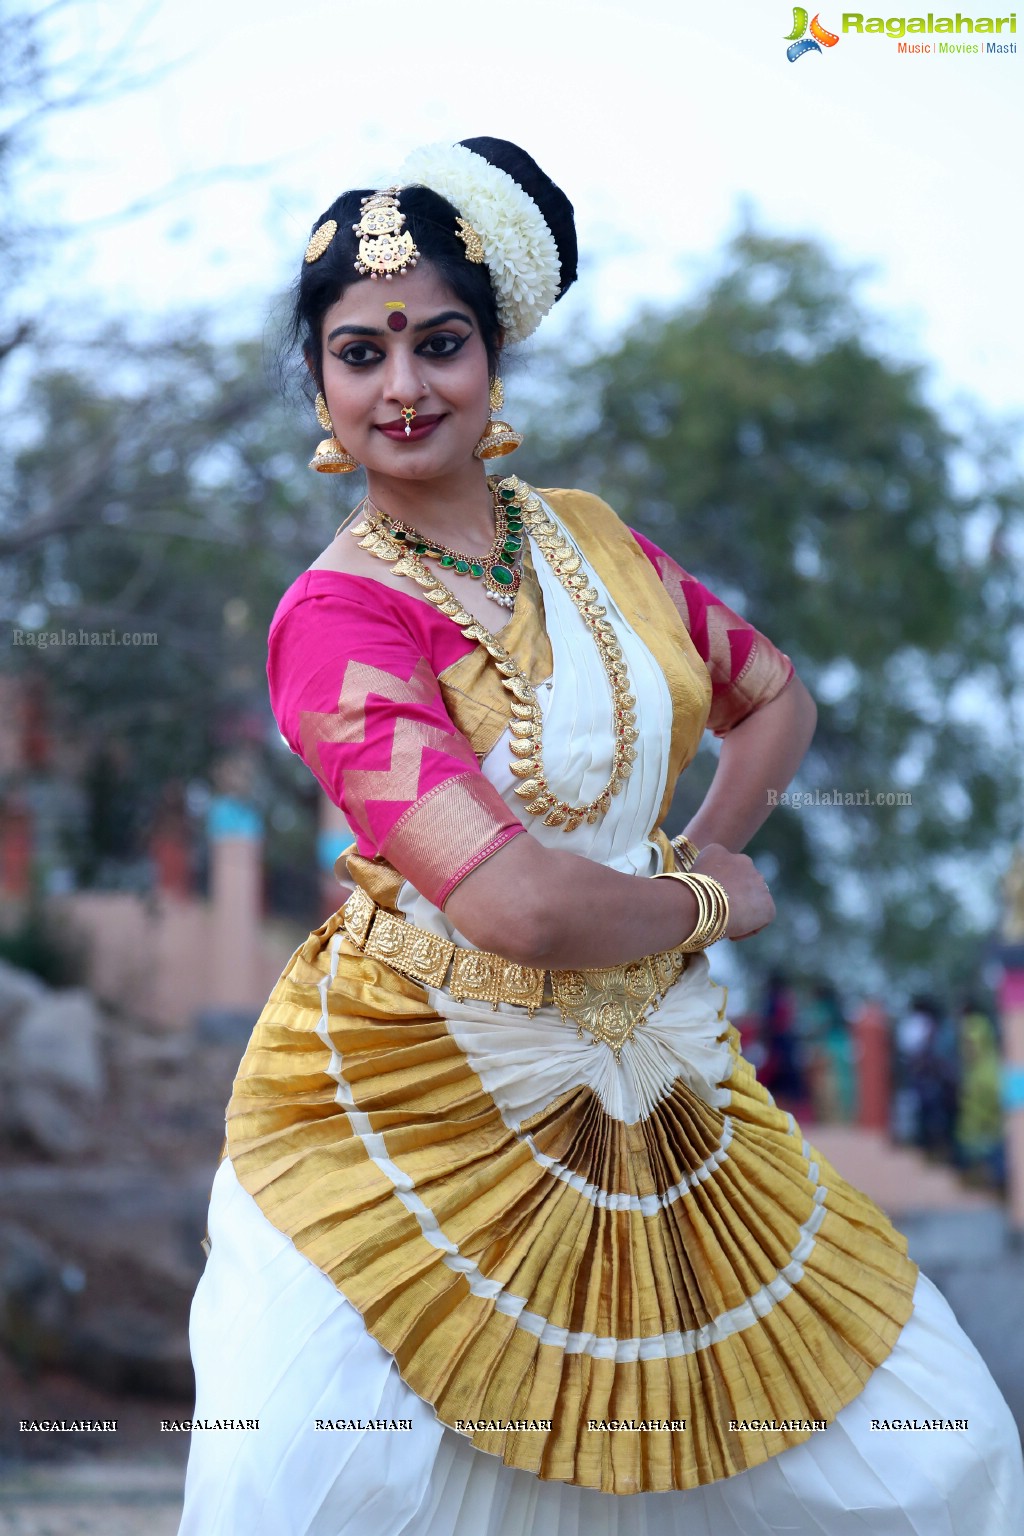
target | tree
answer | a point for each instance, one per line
(762, 435)
(160, 501)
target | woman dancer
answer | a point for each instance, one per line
(507, 1238)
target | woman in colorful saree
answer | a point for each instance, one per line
(507, 1239)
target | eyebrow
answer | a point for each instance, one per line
(424, 325)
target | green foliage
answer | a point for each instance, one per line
(761, 433)
(163, 500)
(29, 945)
(764, 437)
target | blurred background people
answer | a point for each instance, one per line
(979, 1119)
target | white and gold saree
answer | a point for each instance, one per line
(476, 1275)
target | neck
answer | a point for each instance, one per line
(456, 510)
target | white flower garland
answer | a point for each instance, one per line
(519, 248)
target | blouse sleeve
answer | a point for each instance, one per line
(355, 696)
(746, 669)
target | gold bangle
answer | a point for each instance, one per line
(718, 917)
(712, 909)
(686, 851)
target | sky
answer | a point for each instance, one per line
(666, 121)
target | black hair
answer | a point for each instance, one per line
(430, 219)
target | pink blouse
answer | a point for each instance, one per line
(353, 668)
(746, 670)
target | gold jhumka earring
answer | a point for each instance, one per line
(330, 457)
(499, 438)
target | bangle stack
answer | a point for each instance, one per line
(687, 853)
(712, 910)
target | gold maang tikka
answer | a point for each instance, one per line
(384, 247)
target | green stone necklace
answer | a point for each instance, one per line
(497, 569)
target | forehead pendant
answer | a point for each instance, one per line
(396, 320)
(384, 247)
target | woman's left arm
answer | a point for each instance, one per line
(760, 709)
(759, 758)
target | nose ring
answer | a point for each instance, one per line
(408, 415)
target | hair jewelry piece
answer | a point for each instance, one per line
(320, 239)
(396, 320)
(470, 239)
(384, 247)
(499, 438)
(408, 415)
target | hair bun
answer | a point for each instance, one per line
(550, 199)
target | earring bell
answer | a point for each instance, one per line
(498, 437)
(330, 457)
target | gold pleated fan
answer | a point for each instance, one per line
(701, 1265)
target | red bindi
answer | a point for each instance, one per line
(397, 321)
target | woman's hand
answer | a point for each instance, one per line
(750, 903)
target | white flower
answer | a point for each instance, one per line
(519, 248)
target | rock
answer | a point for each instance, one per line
(49, 1119)
(18, 991)
(54, 1073)
(56, 1041)
(126, 1349)
(36, 1299)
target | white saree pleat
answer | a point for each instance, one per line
(271, 1335)
(273, 1339)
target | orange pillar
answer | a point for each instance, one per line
(871, 1045)
(235, 831)
(15, 848)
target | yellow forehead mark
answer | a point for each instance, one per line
(394, 304)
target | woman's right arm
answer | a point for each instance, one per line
(552, 909)
(354, 690)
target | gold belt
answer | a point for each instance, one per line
(608, 1004)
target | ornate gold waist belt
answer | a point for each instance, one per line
(608, 1004)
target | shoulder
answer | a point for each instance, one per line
(589, 518)
(345, 578)
(342, 573)
(575, 505)
(329, 595)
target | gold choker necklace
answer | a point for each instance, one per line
(527, 720)
(497, 568)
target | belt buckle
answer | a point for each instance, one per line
(611, 1004)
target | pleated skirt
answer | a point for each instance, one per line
(274, 1341)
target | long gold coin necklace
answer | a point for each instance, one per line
(374, 533)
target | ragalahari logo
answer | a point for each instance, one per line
(799, 43)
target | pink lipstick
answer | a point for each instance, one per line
(421, 427)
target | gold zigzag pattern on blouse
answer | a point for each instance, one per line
(702, 1264)
(347, 724)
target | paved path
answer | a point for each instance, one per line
(956, 1234)
(97, 1498)
(899, 1179)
